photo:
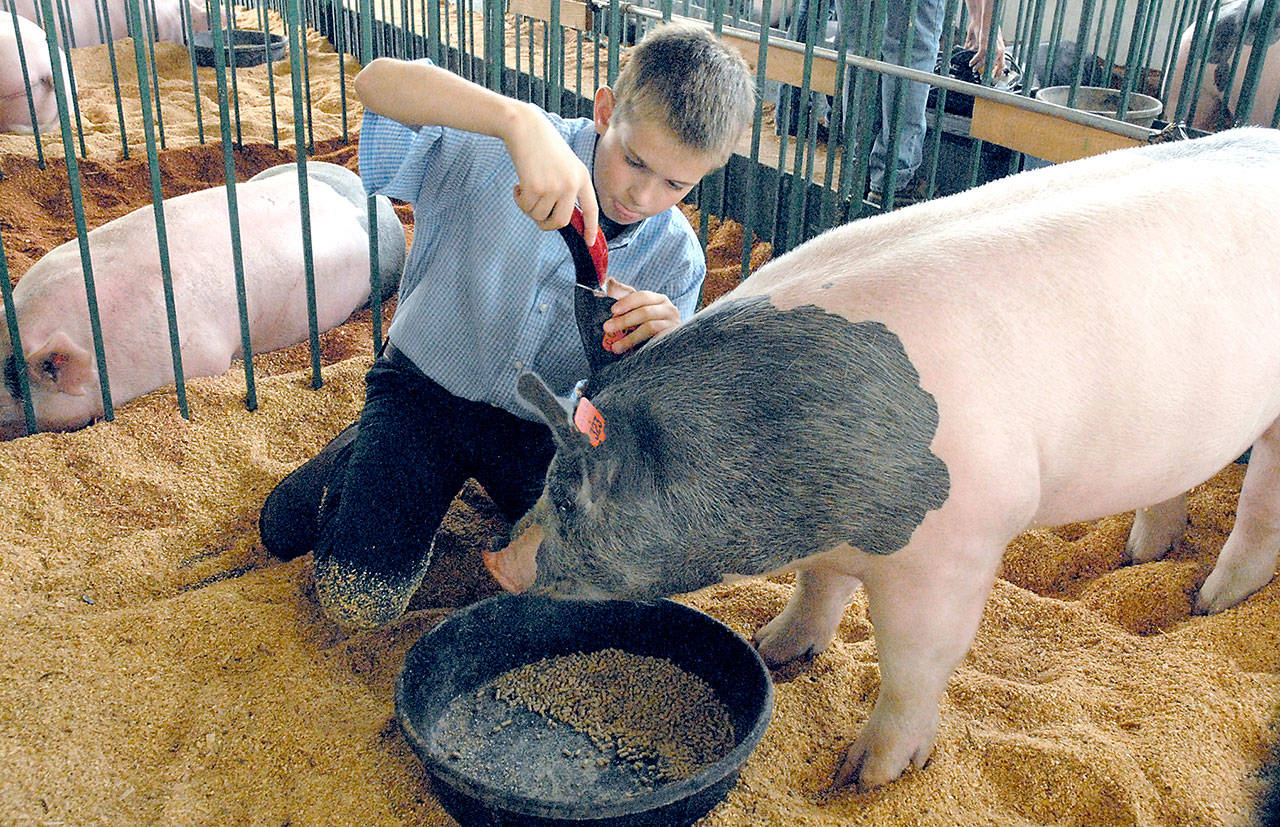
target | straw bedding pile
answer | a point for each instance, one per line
(159, 666)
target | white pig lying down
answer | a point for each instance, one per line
(892, 402)
(53, 314)
(90, 19)
(15, 108)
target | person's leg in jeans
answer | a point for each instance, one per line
(511, 464)
(290, 518)
(402, 472)
(925, 38)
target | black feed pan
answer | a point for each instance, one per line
(250, 47)
(477, 644)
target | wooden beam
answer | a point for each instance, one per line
(573, 15)
(786, 66)
(1043, 136)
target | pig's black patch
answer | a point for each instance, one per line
(12, 382)
(763, 436)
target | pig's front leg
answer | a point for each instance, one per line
(1247, 561)
(1156, 529)
(808, 623)
(925, 611)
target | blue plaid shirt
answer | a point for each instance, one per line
(486, 294)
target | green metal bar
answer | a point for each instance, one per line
(866, 113)
(906, 38)
(934, 134)
(305, 63)
(547, 49)
(235, 83)
(804, 120)
(157, 206)
(233, 208)
(77, 208)
(296, 49)
(1055, 35)
(195, 80)
(1266, 24)
(26, 84)
(15, 342)
(615, 34)
(271, 80)
(1031, 45)
(496, 53)
(1236, 60)
(519, 63)
(68, 38)
(1200, 49)
(757, 127)
(555, 66)
(1113, 42)
(434, 23)
(1082, 34)
(578, 110)
(366, 29)
(826, 208)
(1097, 38)
(149, 33)
(1176, 24)
(1149, 43)
(1132, 70)
(988, 79)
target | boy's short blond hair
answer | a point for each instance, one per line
(679, 74)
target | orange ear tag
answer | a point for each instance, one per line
(588, 420)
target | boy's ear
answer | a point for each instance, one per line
(603, 111)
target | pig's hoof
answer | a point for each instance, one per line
(875, 759)
(360, 598)
(780, 642)
(1156, 530)
(1227, 588)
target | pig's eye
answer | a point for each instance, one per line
(564, 508)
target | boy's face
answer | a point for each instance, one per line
(641, 167)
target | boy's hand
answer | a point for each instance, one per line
(649, 313)
(552, 178)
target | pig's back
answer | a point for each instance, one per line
(1124, 306)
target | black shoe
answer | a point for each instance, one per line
(912, 193)
(291, 517)
(369, 594)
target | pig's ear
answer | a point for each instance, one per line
(534, 391)
(62, 365)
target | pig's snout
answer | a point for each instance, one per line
(515, 566)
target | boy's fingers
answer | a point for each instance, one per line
(561, 214)
(615, 289)
(590, 212)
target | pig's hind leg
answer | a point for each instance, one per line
(925, 606)
(1156, 529)
(808, 623)
(1248, 558)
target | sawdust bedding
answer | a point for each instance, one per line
(159, 666)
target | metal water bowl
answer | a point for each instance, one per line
(1142, 109)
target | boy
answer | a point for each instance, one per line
(487, 293)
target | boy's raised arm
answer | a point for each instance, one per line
(551, 177)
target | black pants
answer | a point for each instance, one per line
(370, 503)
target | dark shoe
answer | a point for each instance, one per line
(912, 193)
(363, 597)
(291, 517)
